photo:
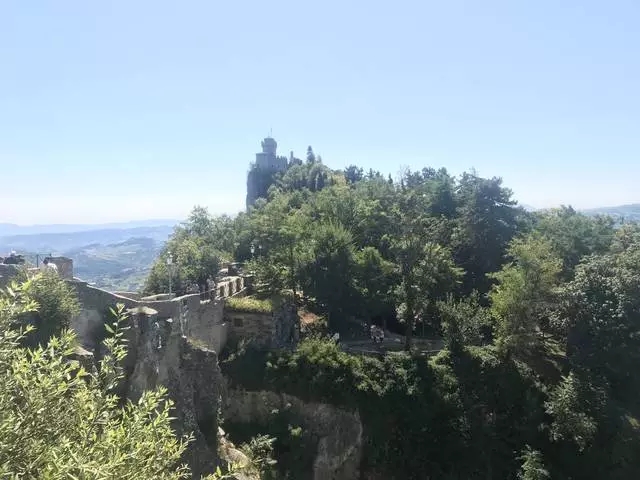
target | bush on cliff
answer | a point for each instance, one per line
(57, 304)
(58, 421)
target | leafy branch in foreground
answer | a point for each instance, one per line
(60, 421)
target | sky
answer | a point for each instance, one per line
(127, 110)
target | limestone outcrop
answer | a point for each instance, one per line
(160, 356)
(340, 432)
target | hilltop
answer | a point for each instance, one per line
(629, 212)
(112, 258)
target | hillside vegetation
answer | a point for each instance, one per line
(540, 313)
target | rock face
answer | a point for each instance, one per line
(159, 355)
(339, 431)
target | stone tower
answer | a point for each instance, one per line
(267, 159)
(261, 174)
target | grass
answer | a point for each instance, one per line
(249, 304)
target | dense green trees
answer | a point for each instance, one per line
(486, 221)
(574, 235)
(331, 269)
(522, 297)
(599, 316)
(196, 251)
(540, 313)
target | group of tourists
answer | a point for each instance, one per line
(17, 259)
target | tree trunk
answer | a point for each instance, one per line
(410, 316)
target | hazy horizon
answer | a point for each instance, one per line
(127, 111)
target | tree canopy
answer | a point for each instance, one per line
(539, 313)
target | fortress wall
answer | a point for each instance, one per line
(259, 327)
(8, 273)
(207, 322)
(64, 266)
(95, 304)
(131, 295)
(202, 321)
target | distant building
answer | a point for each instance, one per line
(261, 174)
(267, 159)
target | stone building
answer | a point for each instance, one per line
(267, 159)
(262, 172)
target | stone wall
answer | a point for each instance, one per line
(201, 320)
(205, 324)
(339, 431)
(8, 273)
(229, 286)
(255, 327)
(277, 329)
(64, 266)
(160, 355)
(95, 304)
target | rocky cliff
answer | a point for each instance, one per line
(339, 432)
(159, 356)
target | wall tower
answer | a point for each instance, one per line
(261, 174)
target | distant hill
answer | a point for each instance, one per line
(112, 258)
(628, 212)
(61, 242)
(13, 229)
(117, 266)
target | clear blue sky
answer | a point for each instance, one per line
(119, 110)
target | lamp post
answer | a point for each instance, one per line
(170, 268)
(253, 250)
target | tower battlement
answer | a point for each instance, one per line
(267, 159)
(261, 174)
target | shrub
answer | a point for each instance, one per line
(56, 303)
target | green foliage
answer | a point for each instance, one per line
(532, 466)
(260, 452)
(465, 321)
(540, 314)
(331, 269)
(284, 439)
(418, 415)
(313, 176)
(569, 421)
(60, 421)
(197, 248)
(57, 304)
(485, 223)
(574, 235)
(599, 315)
(248, 304)
(375, 278)
(521, 299)
(353, 174)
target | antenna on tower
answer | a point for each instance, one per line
(271, 132)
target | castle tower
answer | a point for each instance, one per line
(261, 175)
(267, 159)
